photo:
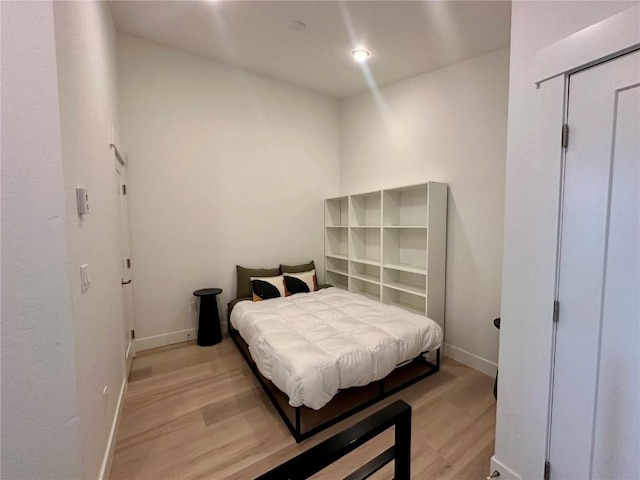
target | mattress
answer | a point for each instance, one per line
(311, 345)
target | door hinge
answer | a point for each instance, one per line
(556, 310)
(565, 135)
(133, 334)
(124, 189)
(547, 470)
(128, 263)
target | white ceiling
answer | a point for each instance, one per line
(405, 38)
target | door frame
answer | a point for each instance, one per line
(602, 41)
(121, 163)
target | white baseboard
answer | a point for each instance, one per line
(130, 349)
(505, 472)
(105, 470)
(165, 339)
(474, 361)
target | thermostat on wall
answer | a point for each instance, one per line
(82, 197)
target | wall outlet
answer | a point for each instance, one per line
(85, 280)
(193, 306)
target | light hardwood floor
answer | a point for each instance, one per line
(198, 413)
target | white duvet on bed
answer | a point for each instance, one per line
(310, 345)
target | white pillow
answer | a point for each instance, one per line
(301, 282)
(263, 288)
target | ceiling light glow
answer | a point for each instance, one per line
(360, 55)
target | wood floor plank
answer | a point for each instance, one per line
(198, 413)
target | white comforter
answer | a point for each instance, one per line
(310, 345)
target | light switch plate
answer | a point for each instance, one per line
(82, 197)
(85, 280)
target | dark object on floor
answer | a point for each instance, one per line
(496, 323)
(209, 330)
(304, 422)
(308, 463)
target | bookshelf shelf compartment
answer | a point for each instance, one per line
(366, 210)
(408, 282)
(337, 279)
(408, 301)
(405, 247)
(365, 272)
(406, 206)
(365, 244)
(405, 268)
(336, 212)
(363, 287)
(338, 257)
(337, 242)
(337, 265)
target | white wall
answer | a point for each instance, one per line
(447, 126)
(86, 45)
(530, 239)
(226, 168)
(41, 435)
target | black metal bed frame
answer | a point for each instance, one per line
(317, 458)
(379, 388)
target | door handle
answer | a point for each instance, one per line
(125, 283)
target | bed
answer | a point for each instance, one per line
(324, 355)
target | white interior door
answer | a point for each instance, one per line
(595, 408)
(125, 264)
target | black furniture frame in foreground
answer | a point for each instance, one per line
(304, 422)
(308, 463)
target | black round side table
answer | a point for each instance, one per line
(209, 331)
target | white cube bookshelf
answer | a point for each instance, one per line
(390, 245)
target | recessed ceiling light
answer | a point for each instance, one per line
(360, 54)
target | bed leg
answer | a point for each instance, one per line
(298, 432)
(437, 360)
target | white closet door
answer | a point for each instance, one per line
(595, 405)
(125, 264)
